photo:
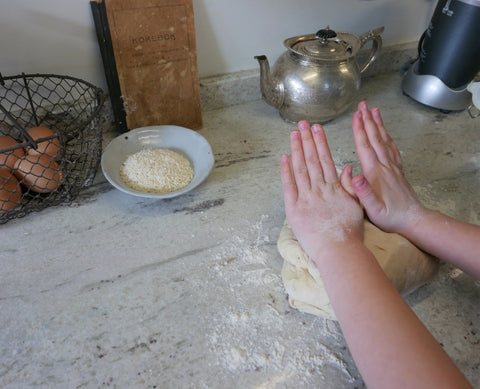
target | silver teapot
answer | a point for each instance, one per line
(318, 77)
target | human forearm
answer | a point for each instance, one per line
(391, 347)
(448, 239)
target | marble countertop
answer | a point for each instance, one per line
(127, 292)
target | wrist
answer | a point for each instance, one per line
(415, 218)
(336, 250)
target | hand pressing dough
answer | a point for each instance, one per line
(405, 265)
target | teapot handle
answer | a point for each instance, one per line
(374, 36)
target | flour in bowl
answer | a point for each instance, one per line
(156, 171)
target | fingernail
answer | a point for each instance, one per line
(316, 128)
(295, 134)
(303, 124)
(359, 181)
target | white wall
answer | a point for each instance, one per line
(58, 36)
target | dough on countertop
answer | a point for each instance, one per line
(406, 266)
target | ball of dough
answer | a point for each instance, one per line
(406, 266)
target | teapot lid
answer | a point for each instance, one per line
(326, 44)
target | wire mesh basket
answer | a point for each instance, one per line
(50, 141)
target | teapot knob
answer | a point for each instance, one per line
(325, 34)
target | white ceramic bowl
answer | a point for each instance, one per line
(186, 142)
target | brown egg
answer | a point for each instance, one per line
(10, 191)
(9, 158)
(50, 147)
(39, 173)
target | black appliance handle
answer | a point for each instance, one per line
(420, 42)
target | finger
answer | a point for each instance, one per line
(366, 153)
(373, 206)
(299, 167)
(375, 136)
(328, 166)
(377, 117)
(310, 152)
(346, 180)
(290, 193)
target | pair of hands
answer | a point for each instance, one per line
(326, 215)
(326, 210)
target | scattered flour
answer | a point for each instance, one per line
(269, 335)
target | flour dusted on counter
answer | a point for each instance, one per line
(156, 170)
(254, 331)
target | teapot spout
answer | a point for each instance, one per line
(272, 90)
